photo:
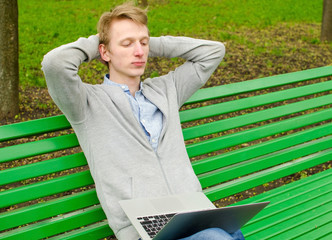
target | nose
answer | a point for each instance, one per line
(138, 50)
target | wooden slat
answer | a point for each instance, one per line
(33, 127)
(57, 225)
(16, 174)
(251, 118)
(258, 84)
(256, 179)
(38, 147)
(234, 139)
(291, 220)
(264, 162)
(239, 155)
(254, 101)
(96, 231)
(40, 211)
(285, 198)
(46, 188)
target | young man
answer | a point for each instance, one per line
(130, 130)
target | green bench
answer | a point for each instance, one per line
(239, 136)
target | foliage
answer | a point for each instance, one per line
(44, 25)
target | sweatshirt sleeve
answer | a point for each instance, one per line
(202, 58)
(60, 67)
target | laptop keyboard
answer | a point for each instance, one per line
(153, 224)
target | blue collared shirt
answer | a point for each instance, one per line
(146, 113)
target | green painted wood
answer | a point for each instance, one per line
(230, 140)
(44, 210)
(291, 223)
(251, 118)
(321, 232)
(289, 208)
(259, 178)
(285, 198)
(57, 225)
(258, 84)
(264, 162)
(46, 188)
(33, 127)
(308, 148)
(254, 101)
(237, 156)
(16, 174)
(38, 147)
(96, 231)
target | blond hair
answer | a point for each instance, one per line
(125, 11)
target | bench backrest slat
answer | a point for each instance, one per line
(230, 140)
(251, 118)
(33, 127)
(48, 209)
(30, 149)
(261, 163)
(98, 231)
(259, 84)
(59, 224)
(12, 175)
(259, 178)
(255, 101)
(243, 154)
(45, 188)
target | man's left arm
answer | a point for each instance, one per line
(202, 58)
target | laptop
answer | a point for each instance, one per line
(179, 216)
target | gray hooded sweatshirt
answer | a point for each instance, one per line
(122, 162)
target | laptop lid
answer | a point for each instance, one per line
(195, 212)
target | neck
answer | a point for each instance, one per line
(133, 83)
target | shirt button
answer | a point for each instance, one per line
(154, 140)
(123, 87)
(143, 120)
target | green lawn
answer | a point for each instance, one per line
(44, 25)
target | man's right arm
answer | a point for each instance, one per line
(60, 67)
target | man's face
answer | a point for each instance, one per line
(128, 50)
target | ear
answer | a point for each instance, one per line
(104, 52)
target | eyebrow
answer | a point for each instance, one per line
(133, 38)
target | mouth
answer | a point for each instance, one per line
(139, 63)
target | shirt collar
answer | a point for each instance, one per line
(124, 87)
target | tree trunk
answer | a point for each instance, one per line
(9, 73)
(326, 33)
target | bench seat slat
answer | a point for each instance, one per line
(256, 179)
(38, 147)
(299, 189)
(57, 225)
(54, 165)
(46, 188)
(321, 232)
(252, 118)
(33, 127)
(279, 197)
(255, 101)
(288, 224)
(264, 162)
(258, 84)
(239, 155)
(282, 209)
(234, 139)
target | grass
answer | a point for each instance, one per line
(44, 25)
